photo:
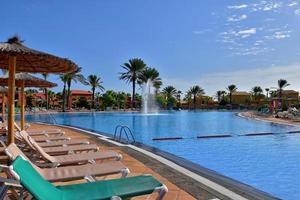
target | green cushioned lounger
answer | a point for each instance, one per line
(106, 189)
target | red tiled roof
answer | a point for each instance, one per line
(40, 95)
(81, 92)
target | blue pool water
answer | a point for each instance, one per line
(270, 163)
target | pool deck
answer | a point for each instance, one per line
(136, 167)
(184, 179)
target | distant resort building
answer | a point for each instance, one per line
(240, 97)
(76, 95)
(289, 97)
(38, 99)
(290, 94)
(201, 102)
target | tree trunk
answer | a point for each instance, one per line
(194, 102)
(230, 95)
(68, 94)
(64, 98)
(280, 98)
(46, 96)
(133, 95)
(93, 98)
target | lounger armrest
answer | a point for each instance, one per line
(115, 198)
(4, 168)
(2, 143)
(10, 182)
(162, 191)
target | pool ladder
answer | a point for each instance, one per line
(122, 129)
(52, 118)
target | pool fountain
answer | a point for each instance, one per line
(149, 104)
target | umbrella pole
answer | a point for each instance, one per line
(11, 100)
(3, 108)
(22, 107)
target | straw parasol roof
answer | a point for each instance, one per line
(29, 81)
(30, 60)
(3, 90)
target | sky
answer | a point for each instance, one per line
(211, 43)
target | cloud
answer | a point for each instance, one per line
(292, 4)
(241, 41)
(242, 33)
(198, 32)
(247, 31)
(243, 79)
(279, 35)
(252, 51)
(235, 18)
(238, 6)
(266, 6)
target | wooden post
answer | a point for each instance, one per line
(11, 100)
(22, 107)
(3, 108)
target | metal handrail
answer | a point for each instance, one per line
(52, 118)
(123, 129)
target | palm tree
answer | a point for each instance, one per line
(178, 98)
(133, 69)
(150, 74)
(282, 83)
(95, 82)
(223, 93)
(169, 91)
(219, 95)
(231, 88)
(51, 95)
(45, 75)
(74, 76)
(188, 98)
(29, 94)
(64, 78)
(256, 91)
(196, 91)
(267, 90)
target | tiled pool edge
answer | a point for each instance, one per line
(221, 186)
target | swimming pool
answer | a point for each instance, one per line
(269, 163)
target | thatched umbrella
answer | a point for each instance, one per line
(14, 56)
(3, 92)
(26, 80)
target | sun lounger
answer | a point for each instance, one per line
(88, 171)
(47, 132)
(43, 138)
(50, 143)
(54, 141)
(71, 149)
(8, 184)
(2, 146)
(72, 158)
(124, 188)
(79, 158)
(51, 138)
(58, 150)
(63, 143)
